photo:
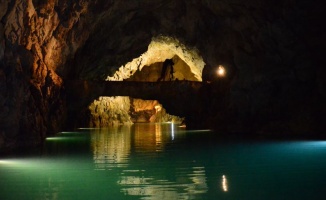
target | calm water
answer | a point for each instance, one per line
(163, 161)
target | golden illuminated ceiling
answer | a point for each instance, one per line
(160, 49)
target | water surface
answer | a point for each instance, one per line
(164, 161)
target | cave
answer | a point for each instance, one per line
(271, 53)
(162, 99)
(148, 67)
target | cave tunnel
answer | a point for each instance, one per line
(161, 62)
(270, 52)
(86, 86)
(180, 93)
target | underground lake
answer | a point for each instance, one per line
(163, 161)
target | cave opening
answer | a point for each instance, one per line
(187, 65)
(152, 73)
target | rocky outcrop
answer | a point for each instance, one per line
(36, 38)
(272, 52)
(110, 111)
(150, 111)
(115, 111)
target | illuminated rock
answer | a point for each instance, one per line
(160, 49)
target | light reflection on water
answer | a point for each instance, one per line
(113, 148)
(164, 161)
(182, 188)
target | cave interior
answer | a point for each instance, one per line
(239, 67)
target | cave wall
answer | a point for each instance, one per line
(36, 39)
(271, 50)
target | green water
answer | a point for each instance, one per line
(164, 161)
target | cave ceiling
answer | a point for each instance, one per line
(232, 33)
(126, 30)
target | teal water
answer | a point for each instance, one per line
(164, 161)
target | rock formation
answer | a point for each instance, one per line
(271, 50)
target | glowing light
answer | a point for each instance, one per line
(68, 133)
(220, 71)
(53, 138)
(88, 128)
(224, 183)
(172, 131)
(4, 162)
(60, 138)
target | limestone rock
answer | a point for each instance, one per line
(110, 111)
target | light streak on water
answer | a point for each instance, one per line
(224, 183)
(172, 131)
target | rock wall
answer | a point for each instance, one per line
(110, 111)
(115, 111)
(36, 39)
(150, 111)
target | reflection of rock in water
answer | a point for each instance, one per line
(153, 137)
(111, 147)
(149, 138)
(186, 185)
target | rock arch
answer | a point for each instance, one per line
(161, 48)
